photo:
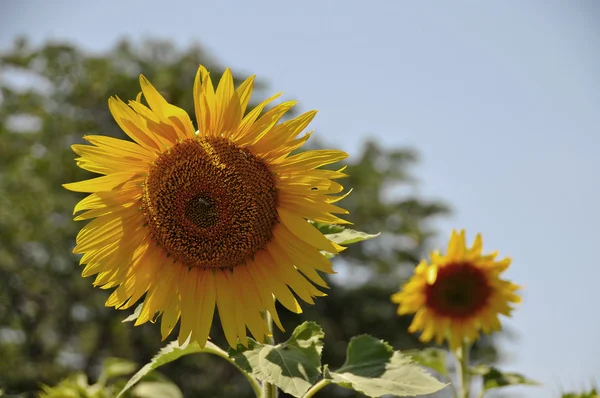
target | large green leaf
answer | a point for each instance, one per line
(169, 353)
(373, 368)
(432, 358)
(494, 378)
(293, 366)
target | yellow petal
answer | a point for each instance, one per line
(306, 231)
(104, 183)
(226, 308)
(309, 160)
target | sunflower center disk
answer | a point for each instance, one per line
(210, 203)
(201, 211)
(460, 290)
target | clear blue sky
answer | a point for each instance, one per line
(501, 98)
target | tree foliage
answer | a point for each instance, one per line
(53, 322)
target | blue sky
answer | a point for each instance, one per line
(500, 98)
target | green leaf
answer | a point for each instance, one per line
(341, 235)
(494, 378)
(327, 254)
(432, 358)
(373, 368)
(349, 236)
(156, 389)
(114, 367)
(169, 353)
(326, 229)
(135, 314)
(293, 366)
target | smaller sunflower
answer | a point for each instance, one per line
(458, 295)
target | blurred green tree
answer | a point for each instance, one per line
(53, 322)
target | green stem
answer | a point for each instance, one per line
(269, 390)
(315, 388)
(214, 350)
(464, 376)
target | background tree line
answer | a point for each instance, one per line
(53, 322)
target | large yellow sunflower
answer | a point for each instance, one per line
(214, 216)
(457, 295)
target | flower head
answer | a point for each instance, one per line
(213, 217)
(458, 295)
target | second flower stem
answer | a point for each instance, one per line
(464, 375)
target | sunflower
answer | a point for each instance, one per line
(457, 295)
(213, 217)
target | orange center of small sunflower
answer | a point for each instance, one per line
(460, 290)
(210, 203)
